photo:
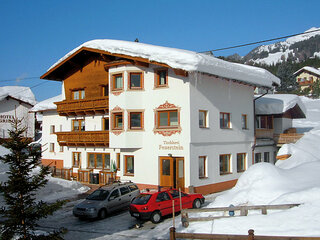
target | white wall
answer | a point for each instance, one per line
(282, 124)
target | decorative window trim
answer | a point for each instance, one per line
(95, 160)
(156, 78)
(205, 119)
(79, 159)
(166, 131)
(141, 120)
(116, 91)
(129, 88)
(244, 162)
(223, 114)
(227, 171)
(125, 165)
(113, 112)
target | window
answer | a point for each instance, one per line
(52, 129)
(78, 125)
(161, 77)
(202, 166)
(61, 149)
(224, 120)
(241, 162)
(78, 94)
(76, 157)
(225, 164)
(117, 118)
(168, 119)
(257, 157)
(117, 81)
(264, 122)
(124, 190)
(135, 80)
(105, 90)
(266, 156)
(244, 121)
(135, 120)
(118, 161)
(105, 124)
(203, 119)
(162, 196)
(129, 165)
(51, 149)
(99, 160)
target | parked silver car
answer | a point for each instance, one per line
(106, 199)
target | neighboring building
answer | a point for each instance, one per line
(306, 76)
(274, 115)
(16, 101)
(164, 116)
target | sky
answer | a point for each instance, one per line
(36, 33)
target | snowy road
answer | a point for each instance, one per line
(119, 225)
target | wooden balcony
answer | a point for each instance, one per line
(285, 138)
(85, 138)
(264, 133)
(81, 107)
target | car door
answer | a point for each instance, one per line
(114, 200)
(164, 203)
(125, 196)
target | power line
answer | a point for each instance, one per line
(253, 43)
(17, 79)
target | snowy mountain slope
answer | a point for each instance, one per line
(297, 48)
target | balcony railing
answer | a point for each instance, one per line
(83, 106)
(264, 133)
(285, 138)
(85, 138)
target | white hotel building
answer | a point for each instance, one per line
(164, 116)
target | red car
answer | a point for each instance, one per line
(155, 205)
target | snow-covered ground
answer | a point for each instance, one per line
(295, 180)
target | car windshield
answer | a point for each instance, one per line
(141, 199)
(99, 194)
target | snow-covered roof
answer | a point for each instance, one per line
(21, 93)
(180, 59)
(47, 104)
(309, 69)
(278, 104)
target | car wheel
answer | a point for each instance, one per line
(102, 214)
(155, 217)
(196, 203)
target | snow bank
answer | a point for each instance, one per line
(278, 103)
(181, 59)
(21, 93)
(47, 104)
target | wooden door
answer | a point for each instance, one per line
(166, 172)
(179, 162)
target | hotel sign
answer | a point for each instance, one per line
(170, 145)
(6, 118)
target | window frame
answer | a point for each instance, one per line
(52, 129)
(141, 80)
(115, 122)
(268, 119)
(80, 121)
(81, 94)
(205, 120)
(113, 77)
(228, 159)
(245, 118)
(105, 90)
(104, 119)
(244, 159)
(118, 157)
(168, 119)
(95, 160)
(204, 159)
(51, 147)
(126, 173)
(79, 159)
(141, 112)
(157, 83)
(255, 157)
(222, 120)
(264, 157)
(61, 149)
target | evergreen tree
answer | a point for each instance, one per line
(288, 81)
(22, 211)
(316, 89)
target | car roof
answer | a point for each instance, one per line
(115, 185)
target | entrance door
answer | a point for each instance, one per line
(172, 172)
